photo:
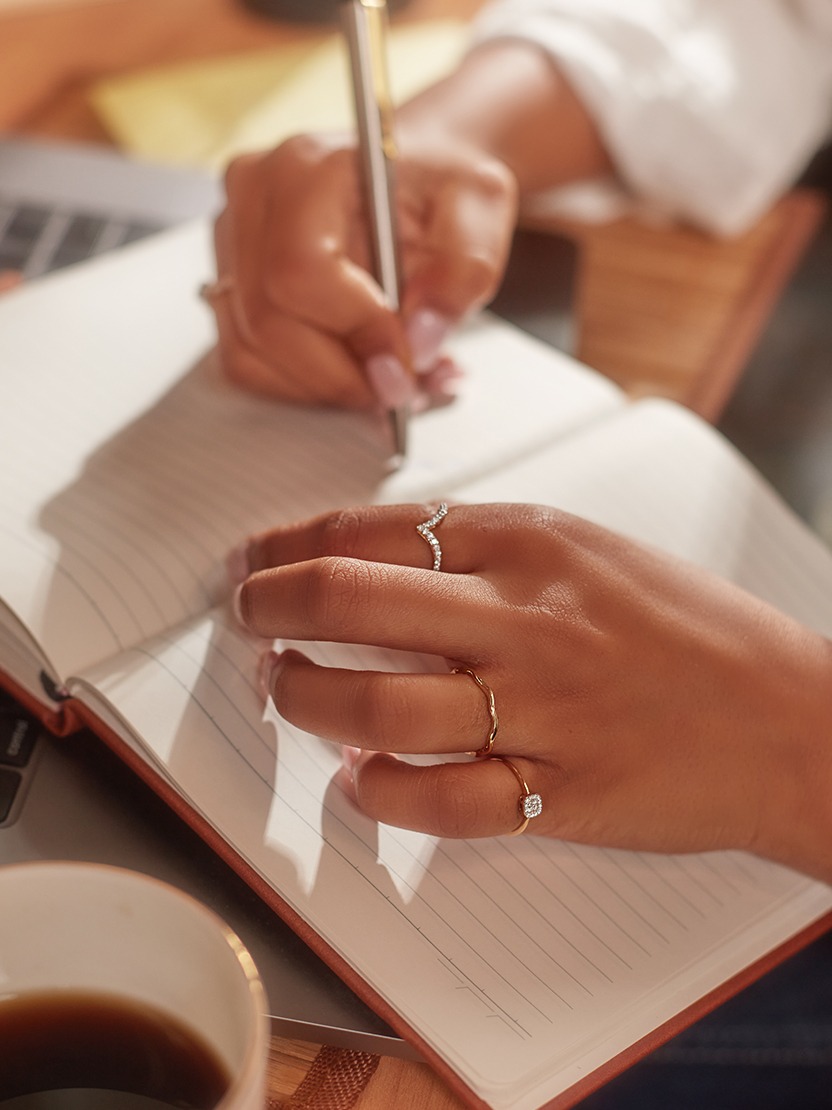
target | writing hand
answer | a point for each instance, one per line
(299, 317)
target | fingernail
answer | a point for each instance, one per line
(265, 670)
(444, 379)
(391, 382)
(349, 756)
(236, 564)
(427, 330)
(236, 606)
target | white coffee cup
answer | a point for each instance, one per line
(98, 930)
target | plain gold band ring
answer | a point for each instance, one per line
(488, 746)
(211, 289)
(529, 805)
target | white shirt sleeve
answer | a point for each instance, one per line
(709, 108)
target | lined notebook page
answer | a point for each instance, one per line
(133, 468)
(526, 963)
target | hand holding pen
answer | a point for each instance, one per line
(300, 316)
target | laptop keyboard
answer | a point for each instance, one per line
(36, 239)
(19, 731)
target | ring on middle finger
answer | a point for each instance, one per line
(488, 746)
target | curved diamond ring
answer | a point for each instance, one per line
(425, 531)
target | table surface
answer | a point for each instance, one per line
(662, 310)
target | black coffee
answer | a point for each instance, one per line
(67, 1050)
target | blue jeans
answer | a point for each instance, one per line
(769, 1048)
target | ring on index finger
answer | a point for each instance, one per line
(425, 530)
(212, 289)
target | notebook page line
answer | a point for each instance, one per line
(300, 786)
(465, 933)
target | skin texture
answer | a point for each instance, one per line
(652, 705)
(298, 315)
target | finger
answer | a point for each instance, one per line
(381, 533)
(427, 713)
(463, 249)
(358, 602)
(304, 365)
(286, 238)
(240, 363)
(481, 798)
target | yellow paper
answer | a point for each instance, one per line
(204, 113)
(184, 113)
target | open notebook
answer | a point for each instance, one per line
(525, 970)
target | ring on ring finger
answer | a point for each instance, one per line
(529, 805)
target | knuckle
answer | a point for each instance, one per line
(384, 713)
(497, 182)
(342, 532)
(456, 805)
(337, 591)
(239, 171)
(478, 276)
(304, 149)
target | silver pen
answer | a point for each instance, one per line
(365, 29)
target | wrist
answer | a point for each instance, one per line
(508, 101)
(796, 813)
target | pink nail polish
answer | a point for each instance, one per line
(349, 757)
(236, 564)
(236, 606)
(391, 382)
(444, 379)
(427, 330)
(265, 670)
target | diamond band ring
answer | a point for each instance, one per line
(529, 805)
(425, 530)
(487, 747)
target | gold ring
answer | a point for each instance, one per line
(529, 805)
(425, 530)
(488, 746)
(211, 289)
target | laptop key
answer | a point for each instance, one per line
(18, 733)
(79, 240)
(22, 230)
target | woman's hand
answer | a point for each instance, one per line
(651, 705)
(299, 317)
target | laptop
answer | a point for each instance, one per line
(72, 798)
